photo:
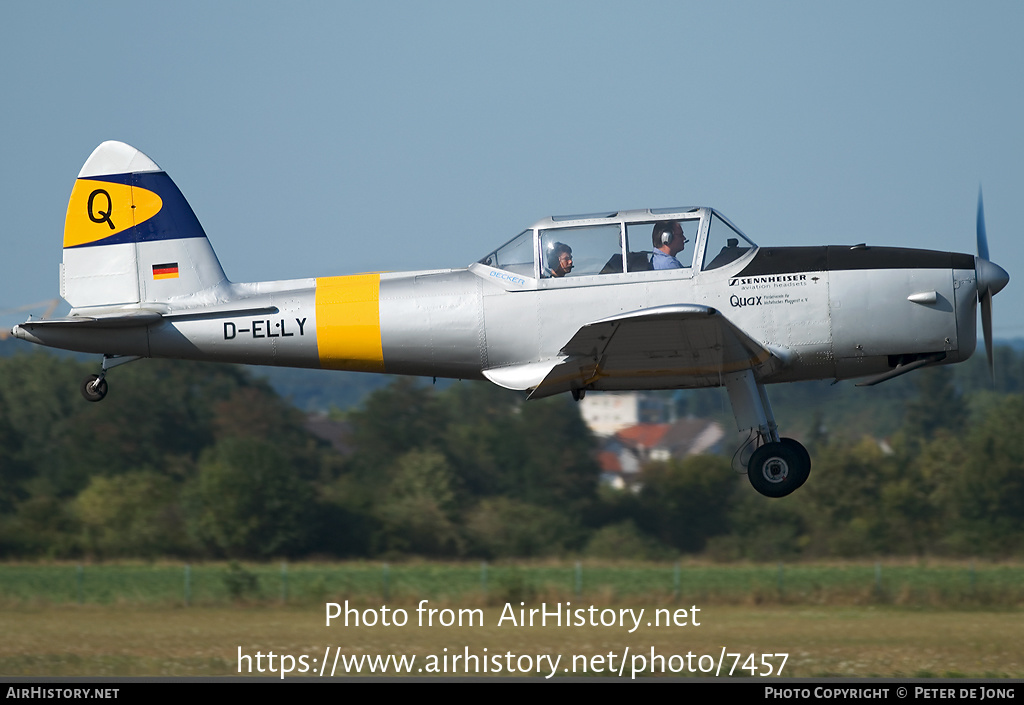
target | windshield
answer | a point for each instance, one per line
(725, 244)
(515, 256)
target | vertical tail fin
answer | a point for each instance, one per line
(130, 236)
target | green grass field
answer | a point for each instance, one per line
(842, 619)
(851, 583)
(820, 641)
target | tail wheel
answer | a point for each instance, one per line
(777, 469)
(94, 388)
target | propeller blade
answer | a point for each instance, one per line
(982, 237)
(986, 327)
(990, 279)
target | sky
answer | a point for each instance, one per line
(326, 138)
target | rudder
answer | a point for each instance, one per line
(130, 236)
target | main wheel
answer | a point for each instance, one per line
(805, 457)
(94, 388)
(777, 469)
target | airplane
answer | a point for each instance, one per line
(570, 304)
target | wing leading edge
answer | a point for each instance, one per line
(683, 345)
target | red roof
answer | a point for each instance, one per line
(647, 435)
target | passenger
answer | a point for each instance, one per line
(668, 241)
(559, 259)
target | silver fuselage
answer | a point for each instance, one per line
(832, 312)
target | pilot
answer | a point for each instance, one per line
(668, 242)
(559, 259)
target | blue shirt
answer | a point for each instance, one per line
(662, 261)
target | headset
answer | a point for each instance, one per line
(665, 228)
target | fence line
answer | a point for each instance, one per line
(191, 584)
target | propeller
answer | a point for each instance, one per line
(991, 278)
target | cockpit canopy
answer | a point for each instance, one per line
(620, 243)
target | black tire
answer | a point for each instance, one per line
(94, 388)
(777, 469)
(805, 457)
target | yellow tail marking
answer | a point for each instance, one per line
(348, 323)
(99, 209)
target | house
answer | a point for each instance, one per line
(624, 454)
(607, 413)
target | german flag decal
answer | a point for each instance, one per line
(165, 271)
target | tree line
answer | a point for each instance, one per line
(205, 461)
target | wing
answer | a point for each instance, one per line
(685, 345)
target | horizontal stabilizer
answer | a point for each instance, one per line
(142, 317)
(137, 317)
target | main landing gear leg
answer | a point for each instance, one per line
(779, 465)
(94, 388)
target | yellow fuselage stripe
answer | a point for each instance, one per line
(348, 323)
